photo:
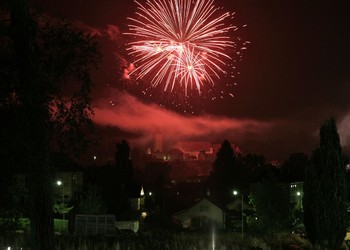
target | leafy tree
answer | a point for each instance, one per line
(224, 176)
(124, 164)
(92, 203)
(325, 213)
(43, 56)
(13, 195)
(115, 182)
(252, 167)
(271, 201)
(294, 168)
(105, 179)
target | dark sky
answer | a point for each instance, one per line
(294, 75)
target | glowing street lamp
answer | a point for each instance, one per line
(60, 183)
(235, 193)
(300, 204)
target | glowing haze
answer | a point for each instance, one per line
(123, 116)
(135, 117)
(181, 44)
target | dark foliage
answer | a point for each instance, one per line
(40, 56)
(92, 202)
(271, 201)
(252, 168)
(124, 167)
(225, 174)
(325, 209)
(293, 169)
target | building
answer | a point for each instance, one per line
(68, 184)
(203, 215)
(296, 194)
(187, 160)
(201, 150)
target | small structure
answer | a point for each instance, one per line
(128, 225)
(87, 224)
(202, 215)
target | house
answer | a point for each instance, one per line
(202, 215)
(68, 183)
(238, 210)
(135, 194)
(236, 205)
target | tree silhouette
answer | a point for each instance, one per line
(325, 209)
(124, 164)
(224, 176)
(42, 57)
(271, 201)
(252, 167)
(92, 202)
(293, 169)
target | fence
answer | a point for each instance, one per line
(86, 224)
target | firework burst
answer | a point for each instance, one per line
(180, 43)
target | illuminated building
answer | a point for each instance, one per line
(186, 160)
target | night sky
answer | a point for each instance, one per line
(294, 75)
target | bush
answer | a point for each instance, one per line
(61, 226)
(258, 243)
(24, 224)
(15, 224)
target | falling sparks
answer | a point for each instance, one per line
(180, 44)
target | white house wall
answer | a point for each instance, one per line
(204, 208)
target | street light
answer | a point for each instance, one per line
(300, 199)
(235, 193)
(60, 183)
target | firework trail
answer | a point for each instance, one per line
(180, 43)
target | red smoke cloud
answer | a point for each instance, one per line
(274, 139)
(132, 116)
(112, 32)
